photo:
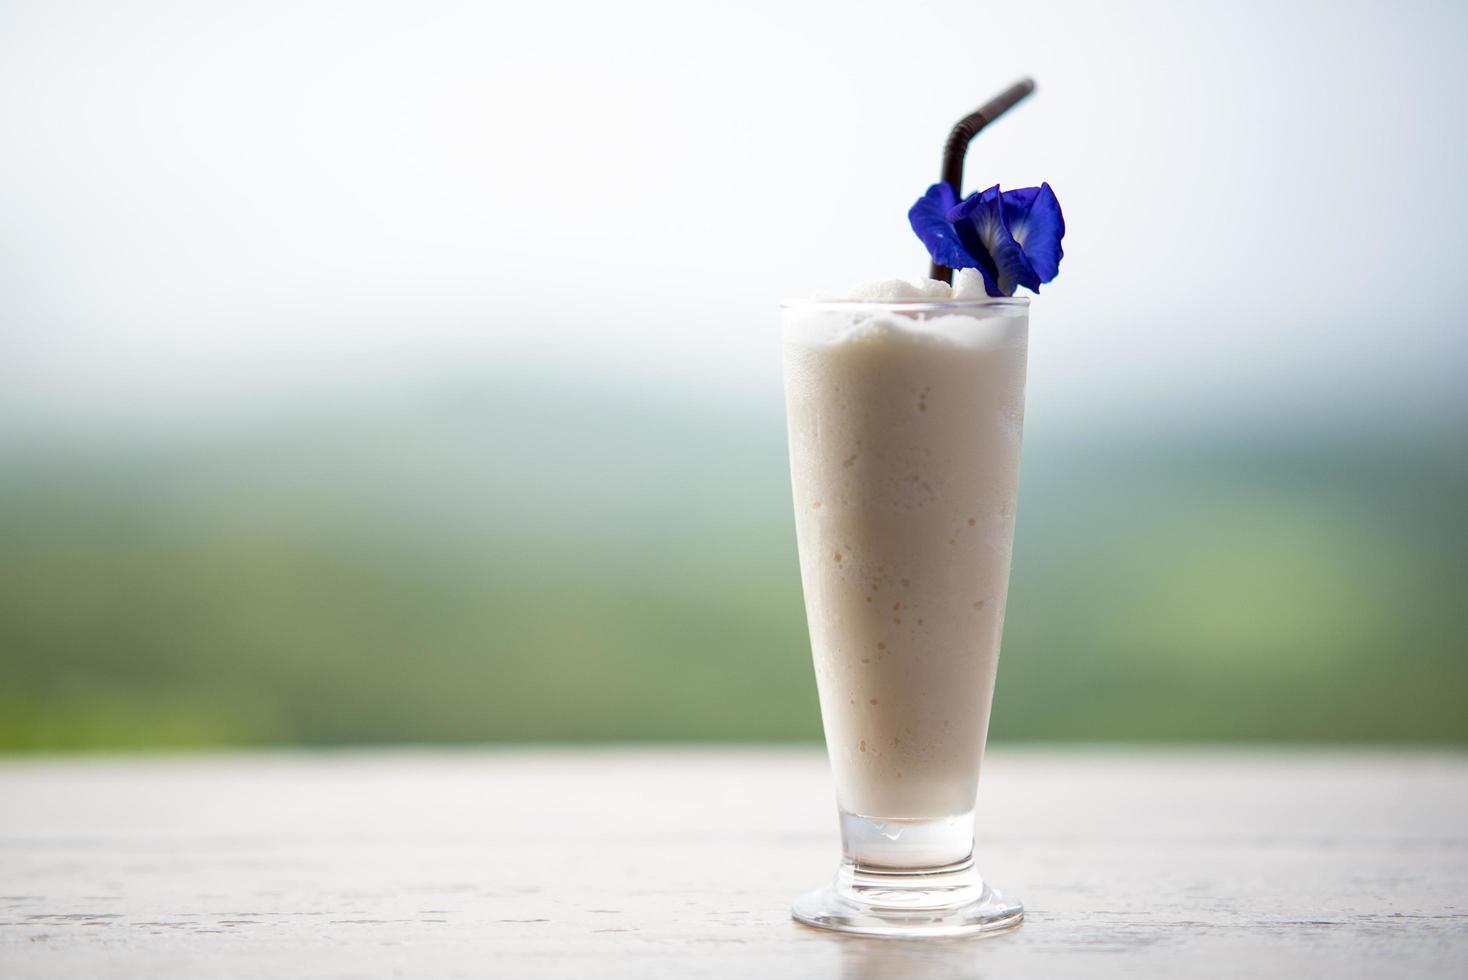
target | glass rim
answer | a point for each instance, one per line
(912, 305)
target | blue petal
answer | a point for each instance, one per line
(1017, 202)
(983, 231)
(1034, 219)
(929, 218)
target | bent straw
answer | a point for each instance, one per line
(962, 134)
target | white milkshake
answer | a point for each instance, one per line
(905, 405)
(905, 417)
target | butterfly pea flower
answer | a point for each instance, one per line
(1012, 237)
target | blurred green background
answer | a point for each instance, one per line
(417, 570)
(399, 372)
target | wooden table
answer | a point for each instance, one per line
(682, 862)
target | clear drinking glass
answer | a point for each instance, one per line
(904, 422)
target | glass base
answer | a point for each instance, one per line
(910, 909)
(878, 891)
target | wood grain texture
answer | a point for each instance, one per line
(682, 863)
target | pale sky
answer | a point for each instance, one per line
(221, 208)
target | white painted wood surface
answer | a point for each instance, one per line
(682, 863)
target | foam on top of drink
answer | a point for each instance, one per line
(977, 327)
(967, 284)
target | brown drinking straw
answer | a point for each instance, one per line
(962, 134)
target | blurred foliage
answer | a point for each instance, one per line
(495, 565)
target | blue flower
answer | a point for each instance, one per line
(1011, 237)
(929, 218)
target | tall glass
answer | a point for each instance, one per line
(904, 422)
